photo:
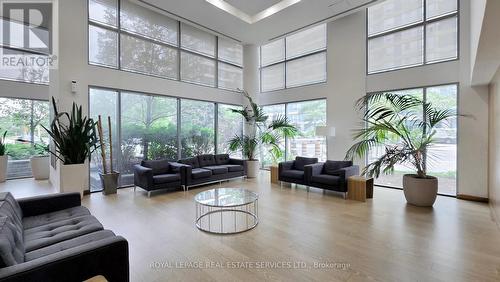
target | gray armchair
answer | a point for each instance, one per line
(331, 175)
(153, 175)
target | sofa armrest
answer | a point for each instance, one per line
(177, 167)
(107, 257)
(285, 166)
(143, 177)
(314, 169)
(347, 172)
(49, 203)
(187, 174)
(239, 162)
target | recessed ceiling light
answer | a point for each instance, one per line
(223, 5)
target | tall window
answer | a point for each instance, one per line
(137, 39)
(406, 33)
(152, 127)
(442, 157)
(25, 137)
(306, 116)
(296, 60)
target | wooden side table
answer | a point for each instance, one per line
(274, 174)
(359, 188)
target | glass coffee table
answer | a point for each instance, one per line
(226, 210)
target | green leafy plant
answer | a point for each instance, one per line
(2, 143)
(263, 132)
(74, 135)
(404, 125)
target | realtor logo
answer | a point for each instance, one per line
(27, 26)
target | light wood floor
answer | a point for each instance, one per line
(380, 240)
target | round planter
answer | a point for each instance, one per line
(252, 168)
(3, 167)
(40, 167)
(420, 192)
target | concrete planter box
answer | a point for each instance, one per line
(40, 167)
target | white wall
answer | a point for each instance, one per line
(494, 146)
(347, 81)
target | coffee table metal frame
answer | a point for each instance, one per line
(206, 210)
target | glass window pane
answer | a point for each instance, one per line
(396, 50)
(103, 46)
(22, 119)
(230, 77)
(442, 157)
(25, 73)
(230, 51)
(272, 52)
(306, 41)
(440, 7)
(140, 20)
(273, 77)
(229, 125)
(197, 128)
(104, 11)
(197, 69)
(306, 70)
(391, 14)
(197, 40)
(272, 111)
(306, 116)
(149, 130)
(441, 41)
(105, 103)
(149, 58)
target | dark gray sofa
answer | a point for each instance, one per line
(205, 169)
(331, 175)
(294, 171)
(54, 238)
(153, 175)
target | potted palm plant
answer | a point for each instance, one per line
(260, 132)
(3, 158)
(405, 126)
(75, 138)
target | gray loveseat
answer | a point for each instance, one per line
(54, 238)
(205, 169)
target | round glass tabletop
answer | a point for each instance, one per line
(226, 197)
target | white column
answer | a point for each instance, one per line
(251, 76)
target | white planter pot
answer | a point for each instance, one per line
(252, 169)
(420, 192)
(73, 178)
(40, 167)
(3, 167)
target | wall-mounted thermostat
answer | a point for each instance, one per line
(73, 86)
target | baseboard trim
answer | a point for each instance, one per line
(472, 198)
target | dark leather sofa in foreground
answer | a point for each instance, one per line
(205, 169)
(330, 175)
(54, 238)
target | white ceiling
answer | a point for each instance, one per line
(299, 15)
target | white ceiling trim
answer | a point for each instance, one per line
(251, 19)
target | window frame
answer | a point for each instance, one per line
(286, 60)
(178, 47)
(424, 23)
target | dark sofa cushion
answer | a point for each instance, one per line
(45, 235)
(330, 167)
(300, 162)
(326, 179)
(190, 161)
(206, 160)
(222, 159)
(166, 178)
(198, 173)
(158, 166)
(293, 173)
(11, 243)
(234, 168)
(68, 244)
(46, 218)
(217, 169)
